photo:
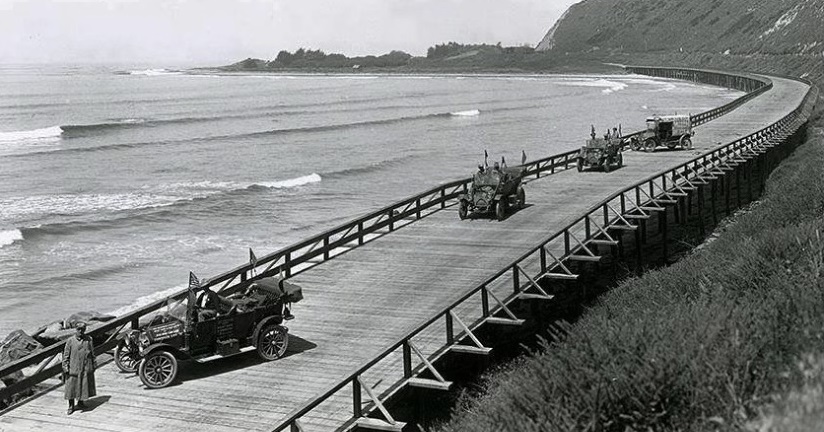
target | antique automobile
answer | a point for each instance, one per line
(672, 131)
(601, 152)
(494, 189)
(210, 326)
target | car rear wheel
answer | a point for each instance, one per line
(521, 197)
(686, 143)
(463, 210)
(158, 369)
(649, 145)
(634, 143)
(500, 210)
(272, 342)
(126, 358)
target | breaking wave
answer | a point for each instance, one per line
(149, 197)
(48, 133)
(155, 72)
(10, 236)
(468, 113)
(609, 86)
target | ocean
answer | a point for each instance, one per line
(116, 182)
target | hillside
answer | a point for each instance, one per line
(719, 26)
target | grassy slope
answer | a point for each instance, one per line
(704, 344)
(741, 26)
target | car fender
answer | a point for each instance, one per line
(274, 319)
(180, 355)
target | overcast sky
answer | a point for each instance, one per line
(221, 31)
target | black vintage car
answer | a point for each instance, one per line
(208, 327)
(601, 152)
(493, 189)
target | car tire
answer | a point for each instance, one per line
(125, 358)
(463, 210)
(634, 144)
(500, 210)
(649, 145)
(521, 197)
(686, 143)
(580, 164)
(158, 369)
(272, 342)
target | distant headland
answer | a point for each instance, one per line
(451, 57)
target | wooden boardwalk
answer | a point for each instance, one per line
(367, 299)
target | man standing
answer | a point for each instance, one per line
(78, 368)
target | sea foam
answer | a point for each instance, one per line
(10, 236)
(47, 133)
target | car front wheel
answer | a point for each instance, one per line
(272, 342)
(126, 358)
(158, 369)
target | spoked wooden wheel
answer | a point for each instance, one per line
(500, 210)
(158, 369)
(126, 358)
(272, 342)
(463, 210)
(649, 145)
(686, 143)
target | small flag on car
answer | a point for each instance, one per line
(486, 156)
(252, 258)
(194, 282)
(523, 157)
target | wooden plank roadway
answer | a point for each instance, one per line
(367, 299)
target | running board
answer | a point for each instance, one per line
(529, 296)
(584, 258)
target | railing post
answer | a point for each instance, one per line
(566, 242)
(418, 208)
(443, 198)
(407, 360)
(243, 277)
(516, 281)
(542, 255)
(360, 233)
(356, 398)
(606, 215)
(135, 324)
(587, 231)
(485, 302)
(391, 220)
(287, 260)
(552, 166)
(450, 329)
(326, 248)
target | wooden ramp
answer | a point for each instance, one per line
(368, 299)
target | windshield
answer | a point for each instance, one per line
(488, 178)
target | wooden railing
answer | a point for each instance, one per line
(298, 257)
(570, 240)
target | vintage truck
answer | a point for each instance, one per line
(672, 131)
(494, 189)
(210, 326)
